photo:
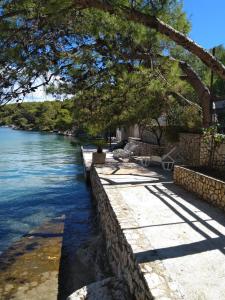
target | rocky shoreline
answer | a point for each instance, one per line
(36, 268)
(105, 286)
(29, 268)
(71, 132)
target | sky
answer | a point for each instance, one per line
(208, 21)
(39, 95)
(208, 29)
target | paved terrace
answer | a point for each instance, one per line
(87, 158)
(172, 233)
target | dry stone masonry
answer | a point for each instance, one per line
(146, 280)
(108, 289)
(219, 156)
(192, 150)
(195, 151)
(208, 188)
(189, 147)
(142, 214)
(119, 252)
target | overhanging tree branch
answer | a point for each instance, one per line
(155, 23)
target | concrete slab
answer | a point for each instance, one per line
(178, 240)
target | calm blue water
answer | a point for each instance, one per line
(41, 177)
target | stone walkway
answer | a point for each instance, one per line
(178, 240)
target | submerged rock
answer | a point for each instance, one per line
(105, 287)
(108, 289)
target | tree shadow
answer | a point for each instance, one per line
(136, 176)
(170, 196)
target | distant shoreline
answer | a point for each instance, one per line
(59, 132)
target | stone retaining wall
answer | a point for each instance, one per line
(195, 152)
(192, 150)
(219, 156)
(119, 252)
(189, 147)
(208, 188)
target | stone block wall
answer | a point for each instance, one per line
(210, 189)
(219, 156)
(189, 148)
(119, 252)
(195, 152)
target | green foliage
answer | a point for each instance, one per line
(186, 117)
(218, 86)
(212, 140)
(136, 96)
(212, 133)
(41, 38)
(109, 63)
(44, 116)
(100, 143)
(182, 118)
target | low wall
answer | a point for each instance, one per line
(119, 252)
(208, 188)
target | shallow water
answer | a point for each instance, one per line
(41, 180)
(41, 177)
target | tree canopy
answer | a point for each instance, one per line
(97, 50)
(44, 116)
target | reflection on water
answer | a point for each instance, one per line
(41, 180)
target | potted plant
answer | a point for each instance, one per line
(99, 156)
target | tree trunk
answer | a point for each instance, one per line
(161, 27)
(194, 80)
(201, 90)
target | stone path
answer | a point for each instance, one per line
(171, 231)
(87, 157)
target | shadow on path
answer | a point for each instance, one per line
(177, 201)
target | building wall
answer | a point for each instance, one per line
(146, 136)
(123, 133)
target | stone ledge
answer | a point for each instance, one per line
(163, 241)
(147, 280)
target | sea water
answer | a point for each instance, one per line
(41, 177)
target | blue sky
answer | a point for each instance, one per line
(208, 21)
